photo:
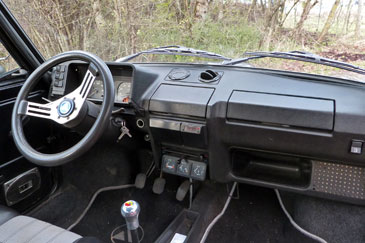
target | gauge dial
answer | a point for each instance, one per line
(123, 92)
(97, 91)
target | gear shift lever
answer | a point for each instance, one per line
(130, 211)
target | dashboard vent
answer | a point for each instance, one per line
(209, 76)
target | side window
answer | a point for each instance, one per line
(7, 63)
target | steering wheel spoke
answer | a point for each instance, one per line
(89, 78)
(46, 111)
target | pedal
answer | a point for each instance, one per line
(159, 185)
(140, 181)
(182, 190)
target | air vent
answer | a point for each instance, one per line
(209, 76)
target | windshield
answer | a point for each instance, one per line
(115, 29)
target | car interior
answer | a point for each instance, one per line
(95, 151)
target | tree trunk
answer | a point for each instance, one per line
(271, 22)
(348, 15)
(358, 18)
(338, 18)
(329, 20)
(132, 26)
(308, 5)
(319, 14)
(251, 9)
(287, 13)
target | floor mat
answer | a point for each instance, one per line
(255, 217)
(335, 222)
(104, 165)
(63, 208)
(157, 211)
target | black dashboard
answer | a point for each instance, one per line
(293, 131)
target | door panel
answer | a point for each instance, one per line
(12, 163)
(14, 176)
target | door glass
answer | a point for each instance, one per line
(7, 63)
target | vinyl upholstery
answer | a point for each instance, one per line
(24, 229)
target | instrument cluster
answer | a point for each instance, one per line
(123, 87)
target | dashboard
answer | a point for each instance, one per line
(298, 132)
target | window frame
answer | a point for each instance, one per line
(17, 42)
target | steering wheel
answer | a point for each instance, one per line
(66, 110)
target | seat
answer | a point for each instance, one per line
(16, 228)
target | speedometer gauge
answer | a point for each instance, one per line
(123, 92)
(97, 90)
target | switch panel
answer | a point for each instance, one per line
(198, 170)
(58, 79)
(184, 167)
(169, 164)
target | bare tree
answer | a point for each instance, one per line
(285, 16)
(271, 21)
(319, 14)
(358, 18)
(307, 6)
(252, 8)
(347, 17)
(329, 20)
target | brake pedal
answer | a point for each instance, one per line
(182, 190)
(140, 181)
(159, 185)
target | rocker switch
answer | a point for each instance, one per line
(356, 147)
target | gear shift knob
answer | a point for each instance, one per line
(130, 211)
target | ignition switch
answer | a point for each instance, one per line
(117, 121)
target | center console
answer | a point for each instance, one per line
(178, 125)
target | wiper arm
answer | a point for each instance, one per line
(176, 50)
(298, 56)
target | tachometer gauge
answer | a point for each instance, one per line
(97, 91)
(123, 92)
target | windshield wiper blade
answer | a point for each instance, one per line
(176, 50)
(298, 56)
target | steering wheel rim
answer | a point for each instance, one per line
(95, 131)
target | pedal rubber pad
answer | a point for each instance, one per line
(140, 181)
(182, 190)
(159, 185)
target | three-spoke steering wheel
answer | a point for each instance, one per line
(64, 110)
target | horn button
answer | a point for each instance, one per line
(66, 107)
